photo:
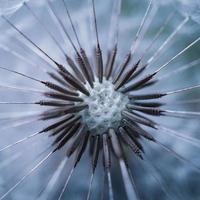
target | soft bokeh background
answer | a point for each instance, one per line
(180, 179)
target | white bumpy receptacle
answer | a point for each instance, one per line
(105, 106)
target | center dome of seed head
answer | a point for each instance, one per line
(105, 106)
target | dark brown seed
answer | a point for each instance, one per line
(130, 143)
(139, 83)
(84, 69)
(81, 148)
(107, 61)
(72, 64)
(136, 128)
(73, 81)
(131, 131)
(87, 63)
(62, 128)
(72, 120)
(57, 124)
(149, 104)
(148, 84)
(99, 62)
(137, 73)
(142, 116)
(106, 153)
(150, 111)
(62, 134)
(96, 151)
(92, 140)
(79, 136)
(50, 114)
(60, 80)
(115, 143)
(136, 119)
(147, 96)
(75, 108)
(124, 78)
(54, 103)
(133, 138)
(59, 89)
(122, 67)
(110, 62)
(68, 135)
(59, 96)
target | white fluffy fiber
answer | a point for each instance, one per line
(190, 8)
(10, 6)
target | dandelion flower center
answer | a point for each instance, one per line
(105, 106)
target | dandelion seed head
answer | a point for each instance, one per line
(100, 99)
(105, 107)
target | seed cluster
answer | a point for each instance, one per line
(105, 107)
